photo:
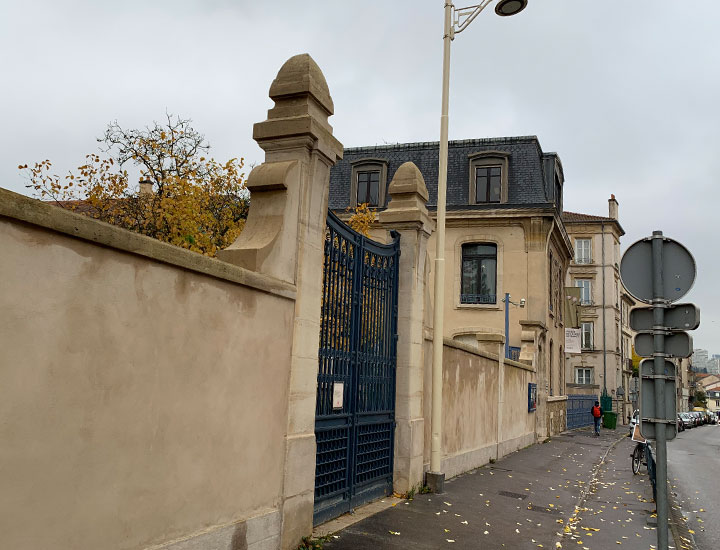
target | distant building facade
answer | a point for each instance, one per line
(606, 359)
(700, 360)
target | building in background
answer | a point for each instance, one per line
(605, 364)
(504, 235)
(700, 360)
(684, 386)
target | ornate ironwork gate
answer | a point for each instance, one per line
(355, 411)
(578, 411)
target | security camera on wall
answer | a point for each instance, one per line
(522, 302)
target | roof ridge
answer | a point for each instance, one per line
(457, 142)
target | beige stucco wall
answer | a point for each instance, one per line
(470, 408)
(516, 423)
(140, 401)
(556, 415)
(469, 402)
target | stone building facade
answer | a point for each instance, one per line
(505, 235)
(605, 361)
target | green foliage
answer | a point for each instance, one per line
(700, 398)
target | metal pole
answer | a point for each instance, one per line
(507, 325)
(659, 303)
(437, 367)
(602, 241)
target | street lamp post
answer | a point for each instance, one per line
(508, 303)
(456, 21)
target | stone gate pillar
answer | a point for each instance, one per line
(283, 237)
(407, 214)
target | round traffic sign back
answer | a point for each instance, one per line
(678, 270)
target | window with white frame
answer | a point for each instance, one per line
(583, 376)
(587, 336)
(582, 251)
(585, 291)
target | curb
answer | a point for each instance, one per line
(678, 525)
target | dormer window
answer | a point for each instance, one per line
(368, 183)
(489, 177)
(488, 183)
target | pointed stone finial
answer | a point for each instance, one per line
(301, 75)
(408, 197)
(300, 115)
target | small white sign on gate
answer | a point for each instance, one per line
(573, 340)
(338, 388)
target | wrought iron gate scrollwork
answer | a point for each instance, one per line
(357, 354)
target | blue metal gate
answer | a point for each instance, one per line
(355, 411)
(578, 411)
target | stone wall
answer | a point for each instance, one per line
(556, 415)
(143, 387)
(473, 405)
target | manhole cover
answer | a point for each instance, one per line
(519, 496)
(542, 510)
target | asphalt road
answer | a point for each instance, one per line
(693, 466)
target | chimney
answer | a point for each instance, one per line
(146, 187)
(613, 207)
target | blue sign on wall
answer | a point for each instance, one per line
(532, 397)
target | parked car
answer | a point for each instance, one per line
(698, 418)
(680, 423)
(687, 420)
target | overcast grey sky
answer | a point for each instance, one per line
(625, 92)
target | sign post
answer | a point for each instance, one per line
(659, 271)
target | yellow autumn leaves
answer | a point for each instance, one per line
(191, 201)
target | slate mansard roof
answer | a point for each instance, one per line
(530, 173)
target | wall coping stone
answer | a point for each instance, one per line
(35, 212)
(557, 398)
(449, 342)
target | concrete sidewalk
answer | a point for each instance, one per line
(574, 491)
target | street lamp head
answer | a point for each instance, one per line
(506, 8)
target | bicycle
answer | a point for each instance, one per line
(641, 452)
(639, 457)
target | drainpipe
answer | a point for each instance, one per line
(602, 226)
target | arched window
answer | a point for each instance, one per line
(479, 273)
